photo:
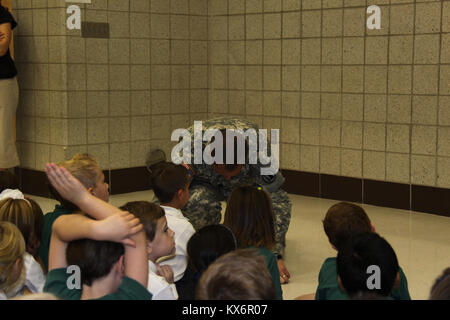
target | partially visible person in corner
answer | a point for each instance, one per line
(9, 98)
(441, 287)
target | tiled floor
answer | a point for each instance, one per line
(421, 241)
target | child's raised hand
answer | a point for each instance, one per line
(166, 272)
(65, 183)
(119, 227)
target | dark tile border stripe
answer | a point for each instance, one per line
(120, 181)
(34, 182)
(387, 194)
(129, 180)
(303, 183)
(340, 188)
(430, 200)
(381, 193)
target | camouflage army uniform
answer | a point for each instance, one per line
(209, 188)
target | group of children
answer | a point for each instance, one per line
(88, 249)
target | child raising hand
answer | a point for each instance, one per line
(110, 251)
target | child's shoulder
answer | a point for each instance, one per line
(129, 289)
(269, 255)
(59, 210)
(175, 218)
(330, 261)
(329, 265)
(57, 284)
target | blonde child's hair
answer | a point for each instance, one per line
(12, 247)
(84, 167)
(20, 213)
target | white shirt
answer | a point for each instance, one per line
(158, 286)
(34, 278)
(183, 232)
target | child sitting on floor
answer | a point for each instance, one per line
(366, 263)
(160, 243)
(204, 247)
(16, 209)
(12, 271)
(441, 287)
(249, 215)
(107, 256)
(342, 221)
(86, 169)
(238, 275)
(171, 186)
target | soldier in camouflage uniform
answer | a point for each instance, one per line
(210, 186)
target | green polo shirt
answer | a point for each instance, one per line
(129, 289)
(49, 219)
(329, 288)
(272, 265)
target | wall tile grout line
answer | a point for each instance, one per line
(300, 164)
(363, 151)
(341, 150)
(320, 99)
(412, 110)
(438, 94)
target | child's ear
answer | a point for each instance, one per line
(91, 191)
(179, 193)
(18, 266)
(149, 247)
(121, 265)
(372, 227)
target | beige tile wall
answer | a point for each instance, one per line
(116, 98)
(349, 101)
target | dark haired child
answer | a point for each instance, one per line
(249, 215)
(87, 170)
(110, 252)
(171, 186)
(203, 248)
(160, 243)
(367, 263)
(342, 221)
(238, 275)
